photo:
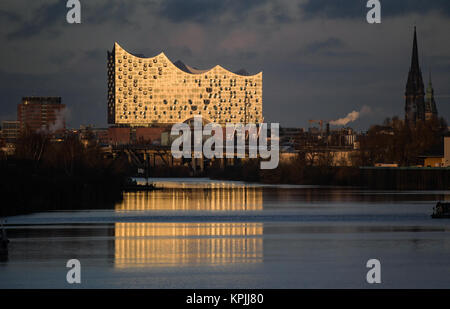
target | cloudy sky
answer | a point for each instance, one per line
(320, 58)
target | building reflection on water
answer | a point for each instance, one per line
(177, 244)
(217, 199)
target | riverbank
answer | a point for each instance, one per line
(295, 172)
(26, 189)
(46, 174)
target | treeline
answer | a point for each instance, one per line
(401, 143)
(49, 174)
(295, 171)
(393, 142)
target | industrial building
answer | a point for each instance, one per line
(10, 130)
(154, 91)
(440, 158)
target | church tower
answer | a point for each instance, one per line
(430, 104)
(415, 89)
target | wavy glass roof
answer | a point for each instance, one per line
(186, 68)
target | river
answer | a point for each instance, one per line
(200, 233)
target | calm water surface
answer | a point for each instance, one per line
(214, 234)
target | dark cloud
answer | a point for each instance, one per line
(318, 66)
(43, 19)
(274, 15)
(83, 94)
(331, 47)
(61, 58)
(357, 8)
(9, 16)
(205, 10)
(324, 45)
(118, 11)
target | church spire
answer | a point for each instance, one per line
(415, 54)
(415, 89)
(430, 103)
(430, 89)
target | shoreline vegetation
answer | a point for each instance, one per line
(394, 142)
(365, 178)
(46, 174)
(295, 172)
(292, 172)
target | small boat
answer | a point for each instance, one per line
(133, 186)
(441, 210)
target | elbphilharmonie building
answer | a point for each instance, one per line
(152, 91)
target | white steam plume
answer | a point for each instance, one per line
(353, 116)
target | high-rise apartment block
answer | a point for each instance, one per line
(41, 113)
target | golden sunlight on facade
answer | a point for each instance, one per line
(149, 91)
(177, 244)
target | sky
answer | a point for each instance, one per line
(320, 58)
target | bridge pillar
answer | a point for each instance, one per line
(128, 156)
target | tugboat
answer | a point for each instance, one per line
(441, 210)
(4, 241)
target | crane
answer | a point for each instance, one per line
(320, 122)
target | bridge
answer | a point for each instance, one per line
(150, 156)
